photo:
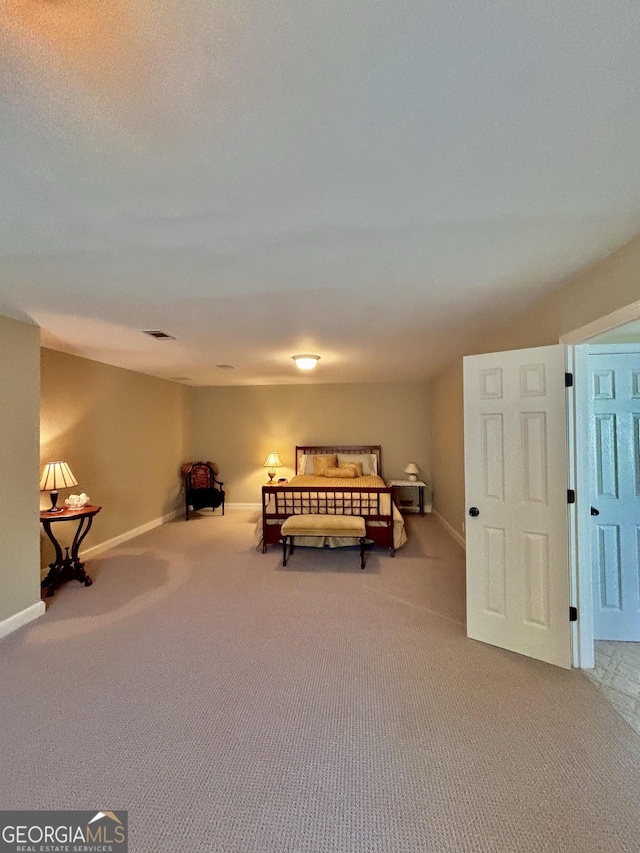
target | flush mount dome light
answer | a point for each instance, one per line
(306, 361)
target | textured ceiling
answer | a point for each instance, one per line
(376, 182)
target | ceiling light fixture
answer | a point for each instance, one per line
(306, 361)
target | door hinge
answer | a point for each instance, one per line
(568, 380)
(573, 614)
(571, 496)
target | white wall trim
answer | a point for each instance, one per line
(451, 530)
(584, 656)
(243, 506)
(603, 324)
(129, 534)
(12, 623)
(573, 482)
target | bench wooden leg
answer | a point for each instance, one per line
(362, 541)
(284, 550)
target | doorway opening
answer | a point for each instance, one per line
(528, 451)
(606, 358)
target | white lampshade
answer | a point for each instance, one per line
(306, 361)
(56, 475)
(273, 460)
(412, 470)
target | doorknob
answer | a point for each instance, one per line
(474, 512)
(595, 511)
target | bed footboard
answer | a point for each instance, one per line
(374, 504)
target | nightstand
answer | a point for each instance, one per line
(403, 505)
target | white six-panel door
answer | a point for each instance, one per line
(614, 490)
(516, 479)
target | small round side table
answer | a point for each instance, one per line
(68, 568)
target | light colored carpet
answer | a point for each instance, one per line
(617, 674)
(232, 705)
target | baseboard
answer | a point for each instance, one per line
(12, 623)
(451, 530)
(130, 534)
(243, 506)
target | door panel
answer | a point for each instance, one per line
(516, 476)
(495, 571)
(535, 552)
(614, 491)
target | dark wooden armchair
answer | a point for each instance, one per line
(201, 486)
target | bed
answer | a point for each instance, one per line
(365, 495)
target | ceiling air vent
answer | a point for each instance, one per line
(225, 366)
(156, 333)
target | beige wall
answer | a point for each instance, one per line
(603, 288)
(19, 525)
(236, 427)
(123, 435)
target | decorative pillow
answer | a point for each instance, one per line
(321, 463)
(356, 465)
(369, 461)
(305, 465)
(343, 471)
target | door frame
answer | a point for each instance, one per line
(579, 516)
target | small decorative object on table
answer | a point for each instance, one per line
(77, 501)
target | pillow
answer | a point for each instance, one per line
(305, 465)
(343, 471)
(321, 463)
(369, 461)
(356, 465)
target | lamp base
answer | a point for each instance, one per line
(54, 501)
(271, 474)
(413, 477)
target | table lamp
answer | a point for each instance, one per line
(56, 475)
(412, 470)
(273, 462)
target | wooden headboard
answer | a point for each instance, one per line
(308, 449)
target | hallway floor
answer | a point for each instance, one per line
(617, 674)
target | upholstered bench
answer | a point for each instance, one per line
(307, 524)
